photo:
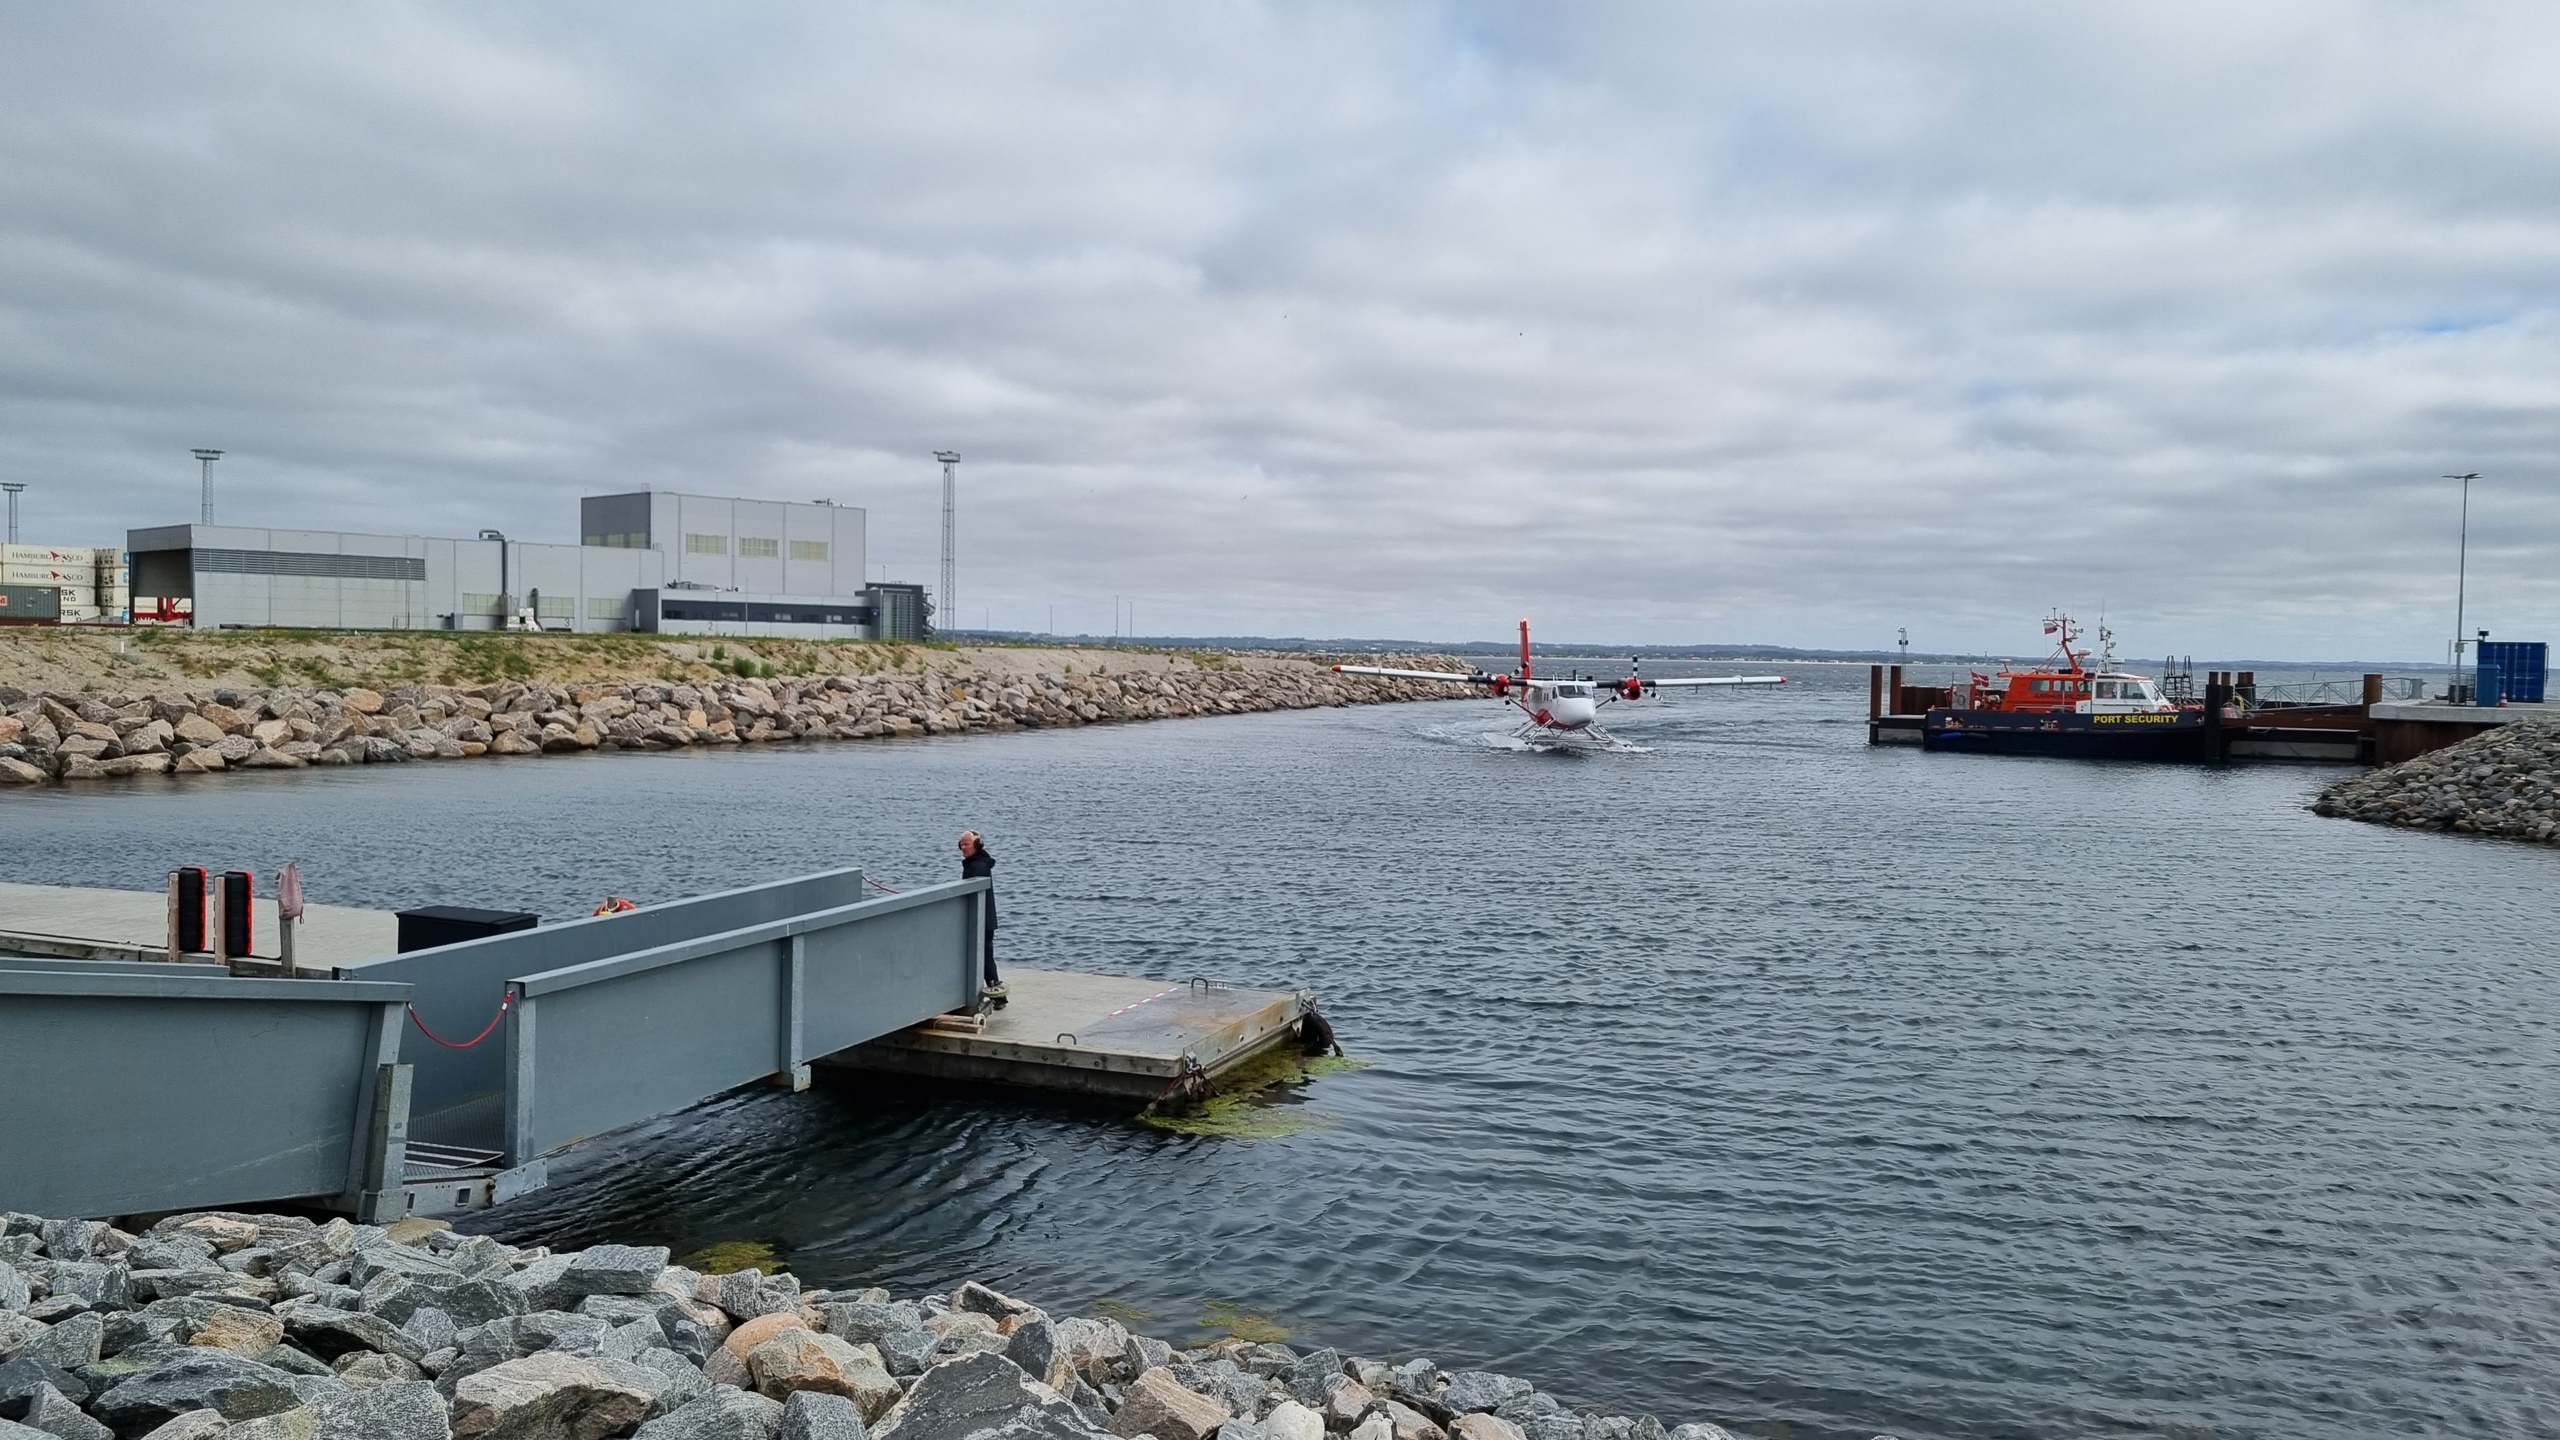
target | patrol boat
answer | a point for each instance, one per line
(2063, 707)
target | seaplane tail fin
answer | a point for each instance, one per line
(1453, 676)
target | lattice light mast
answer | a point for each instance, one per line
(950, 532)
(207, 457)
(13, 487)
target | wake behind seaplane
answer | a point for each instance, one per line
(1562, 713)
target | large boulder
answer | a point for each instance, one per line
(549, 1396)
(742, 1342)
(799, 1360)
(959, 1398)
(213, 1380)
(1157, 1404)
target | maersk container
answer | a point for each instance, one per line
(2520, 665)
(30, 605)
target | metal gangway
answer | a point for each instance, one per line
(443, 1079)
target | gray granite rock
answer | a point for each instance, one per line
(864, 1322)
(411, 1411)
(572, 1397)
(397, 1297)
(431, 1327)
(1313, 1375)
(214, 1380)
(809, 1415)
(70, 1345)
(614, 1270)
(194, 1425)
(979, 1393)
(22, 1377)
(724, 1413)
(1481, 1390)
(53, 1413)
(329, 1333)
(540, 1283)
(907, 1352)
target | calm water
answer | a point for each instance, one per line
(1762, 1077)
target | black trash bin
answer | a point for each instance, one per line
(431, 925)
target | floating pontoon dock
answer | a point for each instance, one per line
(442, 1079)
(1093, 1034)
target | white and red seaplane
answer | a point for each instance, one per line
(1562, 712)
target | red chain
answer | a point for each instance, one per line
(420, 1021)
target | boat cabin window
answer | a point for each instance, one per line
(2106, 689)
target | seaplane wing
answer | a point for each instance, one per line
(1452, 676)
(1718, 680)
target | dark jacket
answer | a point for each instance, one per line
(981, 866)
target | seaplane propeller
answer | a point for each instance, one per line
(1561, 711)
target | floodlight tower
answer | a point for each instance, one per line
(950, 531)
(208, 457)
(13, 487)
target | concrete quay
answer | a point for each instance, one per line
(77, 922)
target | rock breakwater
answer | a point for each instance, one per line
(2503, 782)
(225, 1326)
(68, 736)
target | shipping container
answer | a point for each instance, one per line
(2519, 667)
(30, 605)
(82, 556)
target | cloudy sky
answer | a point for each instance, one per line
(1789, 323)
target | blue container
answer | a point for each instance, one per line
(2520, 664)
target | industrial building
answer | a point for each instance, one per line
(652, 561)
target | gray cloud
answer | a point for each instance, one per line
(1658, 322)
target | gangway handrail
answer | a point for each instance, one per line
(590, 972)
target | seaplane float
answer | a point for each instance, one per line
(1562, 713)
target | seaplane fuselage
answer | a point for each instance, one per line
(1558, 709)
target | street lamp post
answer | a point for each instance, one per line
(950, 532)
(2461, 585)
(206, 458)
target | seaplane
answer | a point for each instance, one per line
(1562, 713)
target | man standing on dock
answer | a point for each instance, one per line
(977, 864)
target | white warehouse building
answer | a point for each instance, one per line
(651, 561)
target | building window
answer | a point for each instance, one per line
(703, 610)
(596, 541)
(557, 607)
(808, 549)
(479, 604)
(752, 548)
(706, 544)
(607, 608)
